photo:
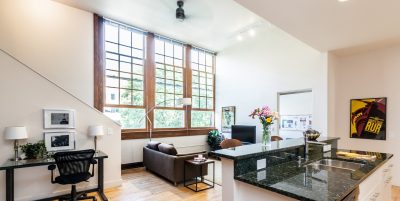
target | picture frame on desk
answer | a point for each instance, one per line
(58, 119)
(59, 141)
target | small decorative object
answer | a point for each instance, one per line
(95, 131)
(267, 118)
(200, 158)
(15, 133)
(214, 139)
(34, 151)
(59, 118)
(311, 134)
(228, 118)
(368, 118)
(59, 141)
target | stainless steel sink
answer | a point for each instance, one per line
(339, 164)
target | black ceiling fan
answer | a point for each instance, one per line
(180, 13)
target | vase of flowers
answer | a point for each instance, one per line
(267, 119)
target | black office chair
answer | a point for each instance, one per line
(73, 167)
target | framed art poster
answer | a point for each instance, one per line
(59, 141)
(368, 118)
(58, 118)
(295, 122)
(228, 118)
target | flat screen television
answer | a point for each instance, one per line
(246, 134)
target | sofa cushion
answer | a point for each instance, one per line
(153, 145)
(167, 149)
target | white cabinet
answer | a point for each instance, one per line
(377, 187)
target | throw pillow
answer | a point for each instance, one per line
(167, 149)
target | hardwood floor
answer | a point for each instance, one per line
(395, 193)
(140, 185)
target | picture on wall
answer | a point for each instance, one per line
(295, 122)
(59, 141)
(228, 118)
(368, 118)
(58, 118)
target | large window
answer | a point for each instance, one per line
(169, 58)
(124, 75)
(147, 75)
(202, 64)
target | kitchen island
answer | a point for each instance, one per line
(277, 173)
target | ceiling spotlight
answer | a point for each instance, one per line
(252, 32)
(239, 37)
(343, 0)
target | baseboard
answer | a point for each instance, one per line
(132, 165)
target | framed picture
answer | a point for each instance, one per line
(59, 141)
(368, 118)
(58, 119)
(228, 118)
(295, 122)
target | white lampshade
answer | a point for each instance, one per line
(95, 131)
(187, 101)
(15, 133)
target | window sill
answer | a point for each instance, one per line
(131, 135)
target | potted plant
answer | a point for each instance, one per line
(214, 139)
(267, 118)
(35, 150)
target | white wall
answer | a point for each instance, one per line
(252, 72)
(132, 150)
(54, 39)
(367, 75)
(24, 95)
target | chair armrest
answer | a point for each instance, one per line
(93, 162)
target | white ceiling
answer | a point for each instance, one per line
(331, 25)
(211, 24)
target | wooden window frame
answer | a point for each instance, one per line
(149, 88)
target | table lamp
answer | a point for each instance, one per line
(15, 133)
(95, 131)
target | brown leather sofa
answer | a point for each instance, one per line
(163, 160)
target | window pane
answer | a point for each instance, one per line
(111, 33)
(129, 118)
(112, 95)
(124, 37)
(137, 40)
(202, 118)
(169, 118)
(138, 98)
(126, 97)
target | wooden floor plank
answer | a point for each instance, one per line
(140, 185)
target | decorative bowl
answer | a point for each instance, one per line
(311, 134)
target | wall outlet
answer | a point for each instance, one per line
(109, 131)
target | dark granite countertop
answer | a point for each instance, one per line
(297, 180)
(253, 150)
